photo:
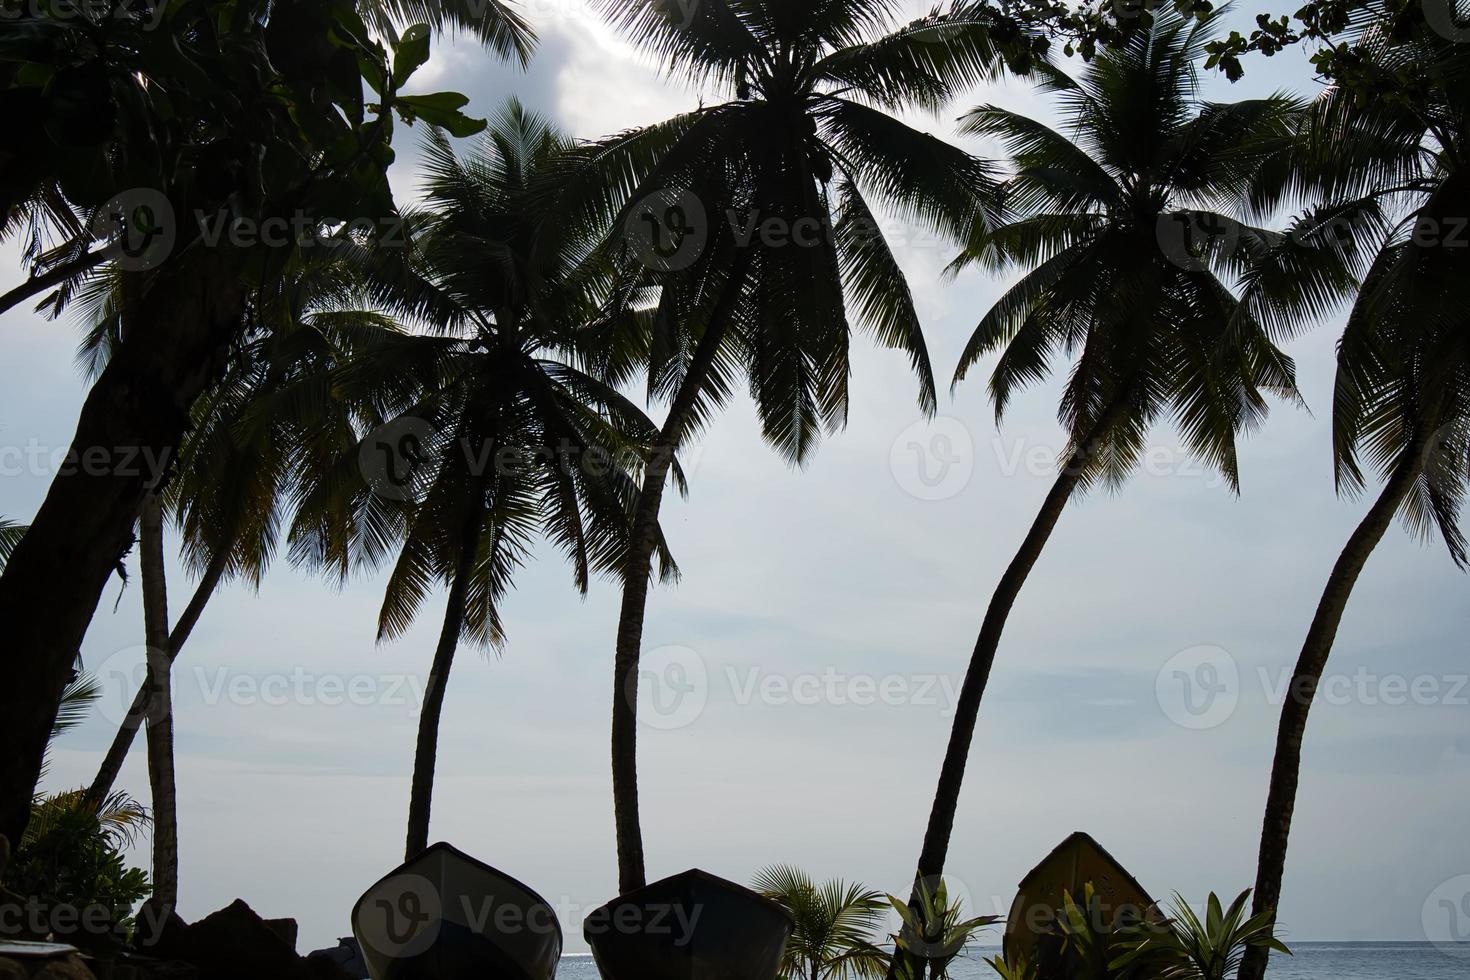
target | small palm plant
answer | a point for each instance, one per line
(836, 923)
(1186, 948)
(1091, 940)
(71, 854)
(934, 932)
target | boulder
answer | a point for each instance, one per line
(231, 944)
(285, 928)
(67, 967)
(63, 968)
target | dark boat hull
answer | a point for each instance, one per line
(693, 926)
(446, 916)
(1077, 862)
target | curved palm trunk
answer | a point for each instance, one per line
(160, 718)
(134, 416)
(427, 750)
(643, 541)
(967, 709)
(1286, 768)
(122, 742)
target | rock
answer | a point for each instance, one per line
(231, 944)
(142, 968)
(63, 968)
(285, 928)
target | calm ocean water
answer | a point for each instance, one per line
(1313, 961)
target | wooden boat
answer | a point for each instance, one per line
(1076, 862)
(693, 926)
(446, 916)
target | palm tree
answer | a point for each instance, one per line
(10, 535)
(268, 418)
(835, 925)
(41, 214)
(788, 172)
(511, 440)
(1184, 947)
(256, 69)
(228, 499)
(251, 432)
(1396, 129)
(1096, 221)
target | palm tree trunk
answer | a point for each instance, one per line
(1286, 768)
(160, 718)
(130, 425)
(427, 750)
(967, 709)
(122, 742)
(643, 540)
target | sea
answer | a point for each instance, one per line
(1312, 961)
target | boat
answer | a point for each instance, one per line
(1075, 863)
(446, 916)
(693, 926)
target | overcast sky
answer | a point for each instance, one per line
(824, 621)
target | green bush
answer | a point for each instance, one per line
(71, 873)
